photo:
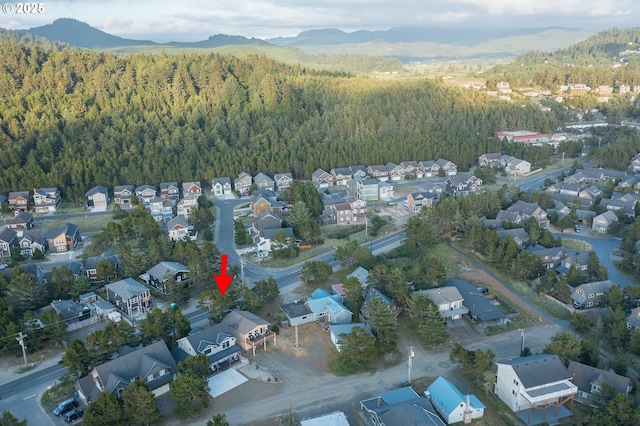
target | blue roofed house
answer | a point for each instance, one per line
(327, 308)
(402, 406)
(337, 331)
(451, 404)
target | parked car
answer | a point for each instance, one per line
(482, 289)
(73, 415)
(3, 266)
(65, 406)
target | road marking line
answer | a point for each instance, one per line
(30, 396)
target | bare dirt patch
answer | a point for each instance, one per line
(495, 285)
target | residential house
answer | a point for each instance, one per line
(217, 342)
(632, 182)
(448, 300)
(91, 267)
(160, 274)
(462, 184)
(191, 188)
(578, 202)
(411, 168)
(43, 270)
(346, 213)
(261, 205)
(71, 311)
(633, 320)
(187, 205)
(417, 200)
(401, 406)
(338, 289)
(521, 211)
(8, 240)
(551, 257)
(297, 313)
(65, 238)
(371, 293)
(30, 241)
(519, 236)
(161, 209)
(22, 220)
(379, 172)
(146, 193)
(538, 382)
(601, 223)
(490, 159)
(448, 167)
(327, 308)
(249, 329)
(266, 241)
(267, 220)
(322, 179)
(589, 295)
(451, 404)
(129, 296)
(385, 191)
(579, 260)
(221, 186)
(589, 381)
(243, 183)
(359, 171)
(367, 189)
(396, 172)
(626, 203)
(283, 181)
(518, 167)
(46, 200)
(337, 331)
(481, 311)
(152, 364)
(179, 229)
(360, 274)
(19, 201)
(341, 175)
(264, 182)
(634, 166)
(170, 191)
(122, 195)
(97, 198)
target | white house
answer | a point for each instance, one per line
(451, 404)
(448, 300)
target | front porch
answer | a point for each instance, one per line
(256, 340)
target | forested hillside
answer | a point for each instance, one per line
(590, 62)
(74, 119)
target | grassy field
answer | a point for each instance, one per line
(88, 223)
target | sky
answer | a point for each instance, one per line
(193, 20)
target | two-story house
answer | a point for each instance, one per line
(249, 329)
(534, 382)
(359, 171)
(217, 342)
(633, 320)
(161, 209)
(378, 171)
(448, 167)
(283, 181)
(170, 191)
(22, 220)
(160, 274)
(31, 241)
(193, 189)
(411, 168)
(243, 183)
(178, 229)
(417, 200)
(601, 223)
(551, 257)
(395, 171)
(490, 159)
(521, 211)
(463, 184)
(367, 189)
(448, 300)
(129, 296)
(341, 175)
(589, 295)
(152, 364)
(46, 200)
(221, 186)
(122, 195)
(8, 240)
(19, 201)
(97, 198)
(187, 205)
(264, 182)
(146, 193)
(65, 238)
(322, 179)
(589, 381)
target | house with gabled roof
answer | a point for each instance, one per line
(322, 179)
(411, 168)
(129, 296)
(249, 329)
(589, 381)
(449, 167)
(178, 229)
(396, 172)
(379, 172)
(264, 182)
(193, 188)
(97, 198)
(161, 209)
(551, 257)
(518, 166)
(519, 236)
(327, 308)
(265, 202)
(591, 294)
(601, 223)
(146, 193)
(451, 404)
(187, 205)
(283, 181)
(360, 274)
(536, 382)
(490, 159)
(633, 320)
(160, 274)
(217, 342)
(337, 331)
(91, 267)
(449, 301)
(30, 241)
(265, 242)
(243, 183)
(462, 184)
(367, 189)
(417, 200)
(521, 211)
(341, 175)
(22, 220)
(46, 200)
(401, 406)
(65, 238)
(170, 191)
(385, 190)
(8, 240)
(152, 364)
(20, 201)
(221, 186)
(481, 311)
(122, 195)
(359, 171)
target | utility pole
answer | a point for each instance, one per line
(20, 340)
(242, 269)
(521, 341)
(411, 355)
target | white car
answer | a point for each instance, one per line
(250, 250)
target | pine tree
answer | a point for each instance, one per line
(140, 407)
(105, 410)
(190, 393)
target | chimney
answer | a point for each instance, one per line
(379, 402)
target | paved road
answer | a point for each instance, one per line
(536, 181)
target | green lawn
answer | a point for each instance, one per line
(88, 223)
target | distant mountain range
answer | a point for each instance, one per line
(398, 42)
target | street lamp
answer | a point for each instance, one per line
(521, 330)
(411, 355)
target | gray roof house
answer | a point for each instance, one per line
(221, 186)
(263, 182)
(589, 381)
(402, 406)
(158, 276)
(481, 310)
(217, 342)
(283, 181)
(97, 198)
(589, 295)
(322, 179)
(22, 220)
(129, 296)
(152, 364)
(448, 300)
(249, 329)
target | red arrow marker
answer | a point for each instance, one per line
(223, 280)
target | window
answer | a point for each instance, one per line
(162, 372)
(515, 382)
(225, 344)
(149, 377)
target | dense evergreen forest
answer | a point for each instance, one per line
(590, 62)
(74, 119)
